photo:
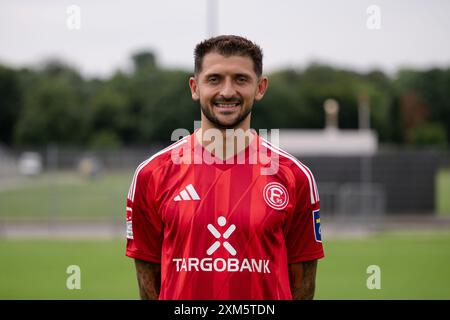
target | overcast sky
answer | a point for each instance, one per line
(414, 33)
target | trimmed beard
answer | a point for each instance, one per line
(213, 119)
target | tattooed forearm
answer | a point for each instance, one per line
(149, 279)
(303, 279)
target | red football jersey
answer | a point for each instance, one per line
(223, 229)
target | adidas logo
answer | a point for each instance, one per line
(187, 193)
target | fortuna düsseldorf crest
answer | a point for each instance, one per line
(276, 195)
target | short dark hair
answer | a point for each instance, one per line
(229, 45)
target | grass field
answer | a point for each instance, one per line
(413, 266)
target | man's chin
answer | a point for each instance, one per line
(226, 125)
(224, 121)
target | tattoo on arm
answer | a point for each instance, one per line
(303, 279)
(149, 279)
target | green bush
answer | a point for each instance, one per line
(429, 134)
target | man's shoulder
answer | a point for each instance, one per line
(287, 160)
(149, 167)
(300, 173)
(162, 157)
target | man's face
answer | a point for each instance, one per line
(226, 88)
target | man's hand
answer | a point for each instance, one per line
(149, 279)
(302, 276)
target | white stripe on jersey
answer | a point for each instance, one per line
(316, 192)
(184, 195)
(312, 183)
(192, 192)
(298, 162)
(132, 190)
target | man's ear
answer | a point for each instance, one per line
(194, 88)
(263, 83)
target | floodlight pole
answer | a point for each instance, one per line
(363, 112)
(366, 161)
(211, 17)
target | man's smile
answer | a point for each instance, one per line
(227, 106)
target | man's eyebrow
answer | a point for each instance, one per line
(236, 75)
(208, 75)
(247, 75)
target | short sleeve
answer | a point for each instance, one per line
(302, 229)
(143, 222)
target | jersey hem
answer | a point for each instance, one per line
(309, 257)
(142, 256)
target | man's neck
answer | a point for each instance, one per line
(224, 143)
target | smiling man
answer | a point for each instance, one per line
(224, 227)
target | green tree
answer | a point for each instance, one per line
(54, 109)
(430, 135)
(10, 102)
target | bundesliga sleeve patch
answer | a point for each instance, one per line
(129, 230)
(316, 222)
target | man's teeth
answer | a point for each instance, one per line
(227, 105)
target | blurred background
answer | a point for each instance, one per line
(359, 89)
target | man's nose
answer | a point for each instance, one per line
(228, 91)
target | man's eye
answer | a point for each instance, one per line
(241, 79)
(213, 79)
